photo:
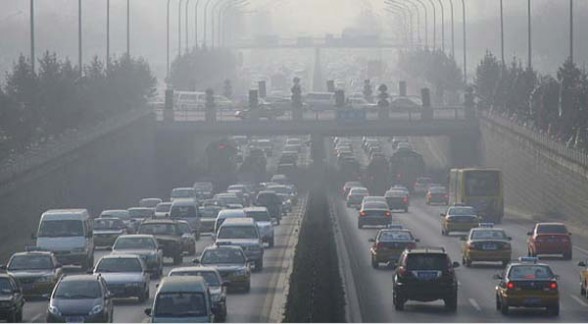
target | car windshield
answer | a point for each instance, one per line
(482, 183)
(163, 208)
(488, 235)
(141, 212)
(108, 224)
(134, 243)
(159, 229)
(530, 272)
(268, 199)
(30, 262)
(78, 289)
(183, 193)
(461, 211)
(224, 256)
(5, 286)
(61, 228)
(183, 212)
(426, 261)
(119, 265)
(210, 277)
(180, 304)
(552, 228)
(462, 218)
(237, 232)
(390, 236)
(259, 216)
(184, 228)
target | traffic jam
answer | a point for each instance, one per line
(472, 204)
(137, 245)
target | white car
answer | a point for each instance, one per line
(264, 223)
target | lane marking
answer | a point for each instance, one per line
(475, 304)
(580, 249)
(36, 318)
(579, 300)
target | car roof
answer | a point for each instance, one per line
(63, 214)
(183, 202)
(120, 256)
(158, 221)
(239, 221)
(195, 268)
(231, 212)
(182, 284)
(80, 277)
(137, 236)
(255, 209)
(48, 253)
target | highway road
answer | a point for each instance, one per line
(262, 304)
(476, 303)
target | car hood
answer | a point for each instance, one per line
(61, 243)
(136, 252)
(201, 319)
(227, 267)
(75, 306)
(167, 238)
(122, 277)
(4, 297)
(108, 231)
(30, 273)
(241, 242)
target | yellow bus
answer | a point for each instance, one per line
(479, 188)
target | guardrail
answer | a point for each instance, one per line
(67, 142)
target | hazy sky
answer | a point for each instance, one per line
(57, 26)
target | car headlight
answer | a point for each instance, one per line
(53, 310)
(96, 310)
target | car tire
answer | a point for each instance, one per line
(582, 290)
(248, 287)
(567, 256)
(375, 263)
(451, 303)
(553, 310)
(19, 316)
(443, 232)
(503, 308)
(271, 243)
(12, 317)
(498, 307)
(359, 225)
(259, 265)
(398, 302)
(277, 221)
(178, 259)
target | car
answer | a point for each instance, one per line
(583, 279)
(320, 100)
(264, 223)
(360, 102)
(209, 210)
(149, 202)
(425, 274)
(348, 185)
(374, 199)
(437, 195)
(527, 283)
(281, 179)
(459, 219)
(231, 263)
(374, 213)
(107, 230)
(162, 209)
(226, 199)
(389, 244)
(123, 215)
(397, 199)
(398, 139)
(404, 103)
(355, 196)
(183, 193)
(80, 298)
(272, 202)
(550, 238)
(486, 244)
(139, 214)
(225, 214)
(145, 246)
(181, 299)
(218, 290)
(421, 185)
(37, 272)
(243, 232)
(13, 301)
(263, 110)
(68, 234)
(125, 275)
(168, 235)
(286, 195)
(204, 189)
(186, 210)
(188, 237)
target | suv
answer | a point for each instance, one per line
(168, 235)
(272, 202)
(425, 274)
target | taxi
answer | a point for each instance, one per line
(37, 271)
(486, 244)
(389, 243)
(527, 283)
(459, 219)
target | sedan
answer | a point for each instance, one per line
(125, 275)
(389, 244)
(374, 213)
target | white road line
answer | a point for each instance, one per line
(579, 300)
(459, 283)
(36, 318)
(580, 249)
(475, 304)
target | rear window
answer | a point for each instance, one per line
(462, 219)
(359, 191)
(488, 235)
(462, 211)
(429, 261)
(530, 272)
(552, 228)
(390, 236)
(259, 216)
(375, 205)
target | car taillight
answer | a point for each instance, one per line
(510, 285)
(471, 246)
(565, 239)
(388, 214)
(402, 272)
(362, 213)
(405, 200)
(553, 285)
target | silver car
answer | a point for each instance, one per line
(264, 223)
(143, 245)
(125, 275)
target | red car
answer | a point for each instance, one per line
(550, 238)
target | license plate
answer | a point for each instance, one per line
(532, 301)
(489, 247)
(74, 319)
(427, 275)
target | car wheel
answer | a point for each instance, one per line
(443, 232)
(398, 302)
(19, 316)
(406, 210)
(258, 265)
(568, 255)
(497, 303)
(553, 310)
(375, 263)
(503, 308)
(271, 243)
(178, 259)
(248, 287)
(12, 317)
(582, 290)
(451, 303)
(277, 221)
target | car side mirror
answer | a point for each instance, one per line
(455, 264)
(497, 276)
(509, 238)
(226, 284)
(196, 260)
(148, 312)
(33, 236)
(580, 264)
(371, 240)
(3, 267)
(463, 238)
(442, 214)
(529, 233)
(58, 265)
(417, 240)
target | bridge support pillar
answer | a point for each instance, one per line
(464, 149)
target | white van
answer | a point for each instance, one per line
(68, 234)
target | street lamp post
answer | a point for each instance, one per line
(465, 66)
(426, 22)
(502, 34)
(80, 36)
(529, 43)
(452, 30)
(129, 28)
(407, 7)
(400, 12)
(187, 31)
(416, 8)
(32, 31)
(107, 34)
(442, 26)
(212, 21)
(572, 31)
(205, 22)
(167, 42)
(180, 28)
(196, 24)
(434, 24)
(404, 11)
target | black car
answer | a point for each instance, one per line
(79, 299)
(374, 213)
(425, 274)
(272, 202)
(397, 200)
(11, 298)
(168, 236)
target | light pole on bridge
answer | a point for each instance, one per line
(426, 22)
(434, 24)
(442, 26)
(32, 31)
(408, 8)
(406, 12)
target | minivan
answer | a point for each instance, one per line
(68, 234)
(184, 299)
(186, 209)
